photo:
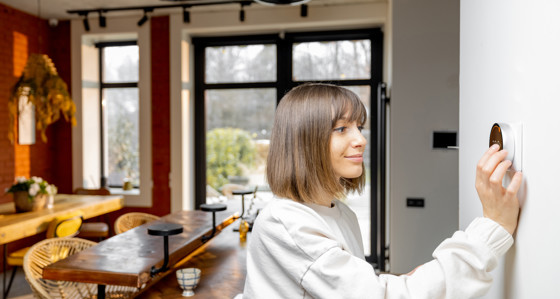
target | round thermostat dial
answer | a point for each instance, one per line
(503, 135)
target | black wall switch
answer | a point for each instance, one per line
(444, 140)
(415, 202)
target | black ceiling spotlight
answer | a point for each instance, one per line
(149, 9)
(144, 18)
(102, 19)
(242, 13)
(186, 15)
(85, 21)
(282, 2)
(303, 11)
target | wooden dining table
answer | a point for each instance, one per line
(15, 226)
(127, 259)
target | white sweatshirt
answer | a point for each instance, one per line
(311, 251)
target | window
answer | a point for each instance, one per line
(119, 119)
(238, 83)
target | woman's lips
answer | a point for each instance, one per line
(355, 158)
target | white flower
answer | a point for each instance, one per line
(37, 179)
(51, 189)
(21, 179)
(33, 189)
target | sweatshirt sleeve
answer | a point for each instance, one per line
(460, 269)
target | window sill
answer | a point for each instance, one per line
(120, 191)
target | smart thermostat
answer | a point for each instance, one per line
(509, 138)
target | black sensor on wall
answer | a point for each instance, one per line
(445, 140)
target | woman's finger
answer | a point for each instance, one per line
(515, 184)
(498, 174)
(494, 148)
(485, 170)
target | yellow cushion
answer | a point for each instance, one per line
(66, 225)
(62, 226)
(16, 258)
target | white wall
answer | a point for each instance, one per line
(509, 72)
(424, 98)
(85, 136)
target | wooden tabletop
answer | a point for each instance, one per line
(223, 264)
(126, 259)
(15, 226)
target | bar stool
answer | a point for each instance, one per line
(212, 208)
(242, 193)
(164, 229)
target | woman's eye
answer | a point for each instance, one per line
(340, 129)
(360, 128)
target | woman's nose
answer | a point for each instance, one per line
(359, 140)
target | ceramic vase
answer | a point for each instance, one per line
(24, 204)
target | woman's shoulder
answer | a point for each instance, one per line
(290, 222)
(285, 210)
(296, 219)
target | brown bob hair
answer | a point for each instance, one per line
(299, 165)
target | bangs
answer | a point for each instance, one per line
(348, 107)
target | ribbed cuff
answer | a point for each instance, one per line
(491, 233)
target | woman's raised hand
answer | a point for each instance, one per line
(498, 203)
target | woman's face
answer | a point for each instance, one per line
(347, 148)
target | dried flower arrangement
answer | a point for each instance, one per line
(43, 87)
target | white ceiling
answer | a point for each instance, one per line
(57, 9)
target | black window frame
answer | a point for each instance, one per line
(284, 82)
(104, 85)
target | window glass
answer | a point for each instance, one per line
(336, 60)
(121, 129)
(238, 123)
(237, 64)
(120, 64)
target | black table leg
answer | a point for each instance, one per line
(4, 272)
(100, 291)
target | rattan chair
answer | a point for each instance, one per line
(67, 225)
(97, 230)
(49, 251)
(131, 220)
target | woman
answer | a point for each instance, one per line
(307, 243)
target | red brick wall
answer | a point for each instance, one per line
(60, 139)
(161, 143)
(21, 35)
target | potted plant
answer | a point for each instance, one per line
(43, 87)
(31, 194)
